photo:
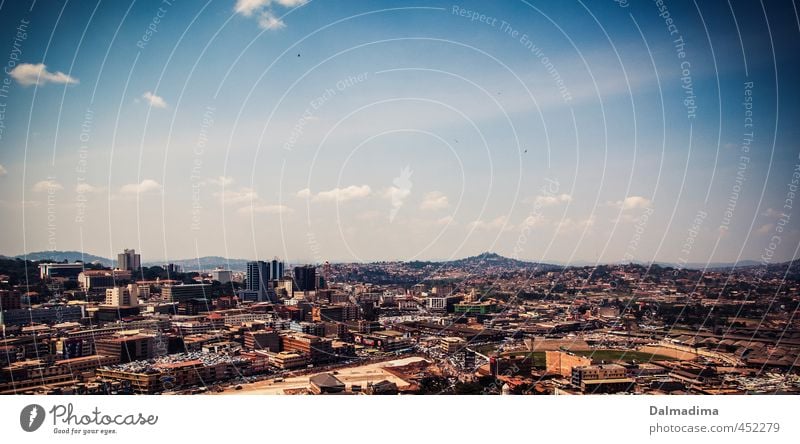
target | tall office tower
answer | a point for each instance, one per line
(276, 270)
(129, 260)
(123, 296)
(305, 278)
(257, 276)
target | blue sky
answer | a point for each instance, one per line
(315, 131)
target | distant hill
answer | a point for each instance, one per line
(489, 259)
(205, 263)
(61, 256)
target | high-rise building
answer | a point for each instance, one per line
(305, 278)
(129, 260)
(257, 276)
(276, 270)
(123, 296)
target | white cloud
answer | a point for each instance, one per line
(154, 100)
(532, 221)
(546, 201)
(46, 186)
(570, 225)
(249, 196)
(764, 229)
(3, 170)
(494, 224)
(291, 3)
(221, 180)
(83, 188)
(632, 202)
(27, 74)
(144, 186)
(265, 209)
(248, 7)
(400, 191)
(305, 193)
(444, 220)
(268, 20)
(263, 10)
(369, 215)
(343, 194)
(434, 200)
(241, 195)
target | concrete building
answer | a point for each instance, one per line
(126, 347)
(319, 350)
(10, 300)
(129, 260)
(605, 378)
(262, 340)
(451, 345)
(335, 313)
(102, 279)
(65, 271)
(222, 276)
(42, 315)
(475, 307)
(440, 304)
(180, 293)
(288, 360)
(123, 296)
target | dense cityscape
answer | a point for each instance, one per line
(481, 325)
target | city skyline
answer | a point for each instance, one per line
(433, 131)
(527, 200)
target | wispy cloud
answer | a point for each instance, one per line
(27, 74)
(497, 223)
(263, 10)
(154, 100)
(400, 191)
(46, 186)
(764, 229)
(145, 186)
(434, 200)
(253, 203)
(337, 194)
(632, 202)
(3, 171)
(444, 220)
(569, 225)
(268, 20)
(265, 209)
(85, 188)
(550, 200)
(241, 195)
(221, 180)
